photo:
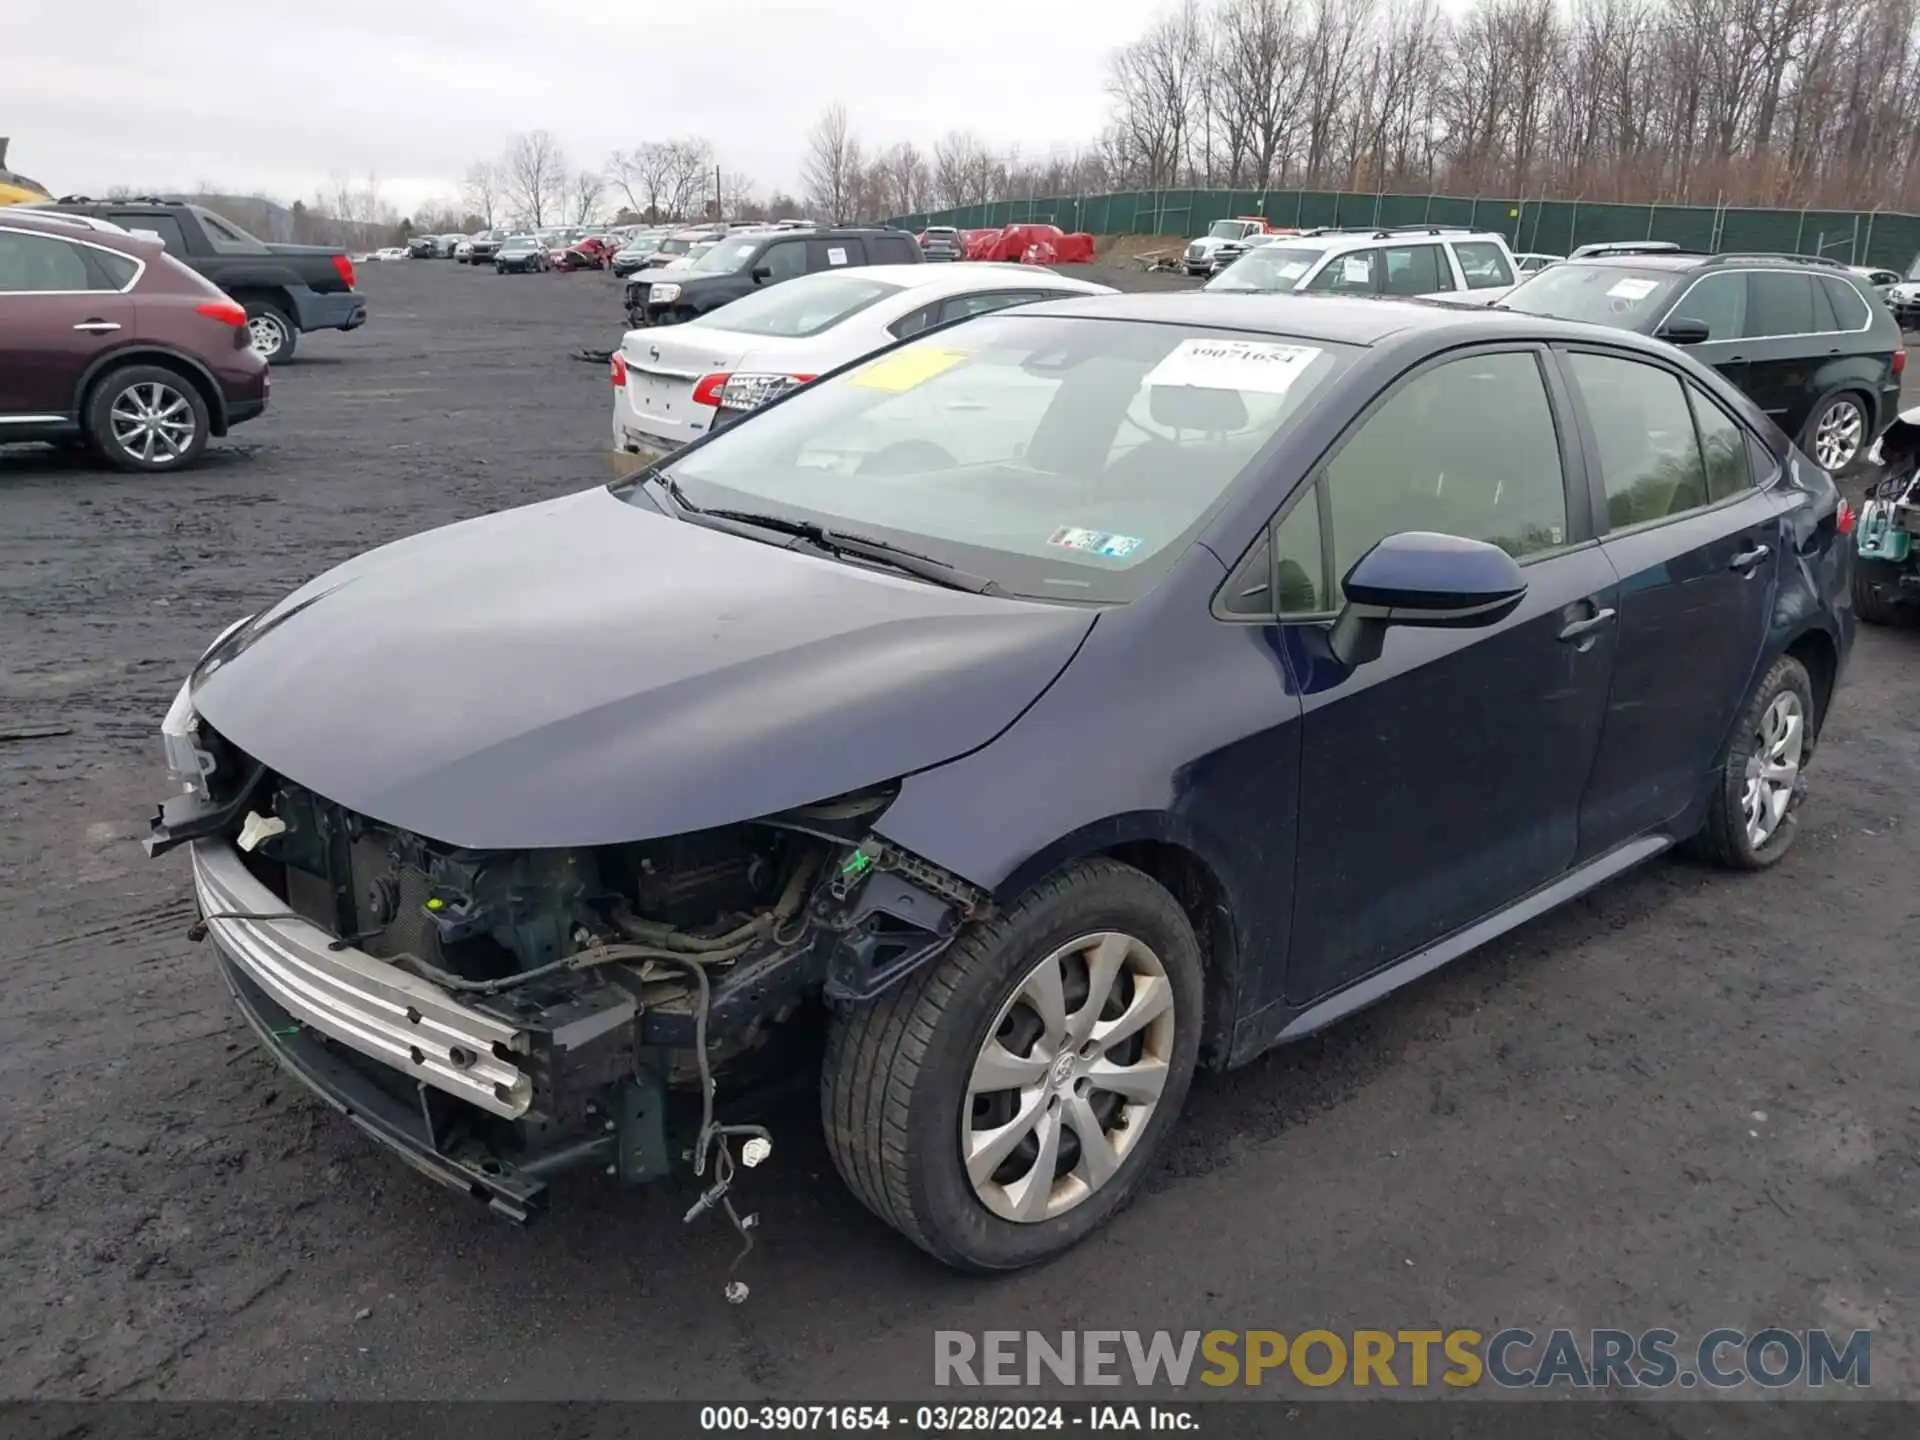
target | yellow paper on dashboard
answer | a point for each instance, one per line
(901, 371)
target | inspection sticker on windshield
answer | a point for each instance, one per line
(1259, 365)
(1632, 289)
(901, 371)
(1095, 542)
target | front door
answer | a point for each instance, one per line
(57, 313)
(1784, 311)
(1443, 780)
(1698, 547)
(1718, 301)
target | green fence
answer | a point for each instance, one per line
(1554, 226)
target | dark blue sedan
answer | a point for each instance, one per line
(1036, 710)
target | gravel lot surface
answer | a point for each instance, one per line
(1689, 1100)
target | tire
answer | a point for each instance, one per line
(1872, 579)
(896, 1088)
(1846, 415)
(125, 439)
(1725, 838)
(273, 333)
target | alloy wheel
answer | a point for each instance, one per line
(267, 336)
(1773, 768)
(152, 422)
(1069, 1075)
(1837, 438)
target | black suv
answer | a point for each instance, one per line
(1813, 346)
(737, 263)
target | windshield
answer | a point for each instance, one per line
(1063, 458)
(1227, 230)
(522, 242)
(802, 307)
(1268, 267)
(724, 259)
(1619, 295)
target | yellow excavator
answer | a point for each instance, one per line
(17, 189)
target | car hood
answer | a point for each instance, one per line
(588, 672)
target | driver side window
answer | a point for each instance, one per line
(1468, 448)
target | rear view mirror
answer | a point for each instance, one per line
(1684, 331)
(1420, 578)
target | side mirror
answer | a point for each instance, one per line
(1419, 578)
(1683, 330)
(762, 272)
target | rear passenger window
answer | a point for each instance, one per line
(1483, 264)
(1849, 309)
(1415, 270)
(40, 264)
(1723, 446)
(1779, 303)
(959, 307)
(163, 228)
(1823, 320)
(112, 270)
(833, 254)
(890, 250)
(914, 323)
(1649, 453)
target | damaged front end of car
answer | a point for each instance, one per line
(498, 1017)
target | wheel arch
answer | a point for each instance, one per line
(186, 366)
(1819, 653)
(1166, 850)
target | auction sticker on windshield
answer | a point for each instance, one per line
(901, 371)
(1259, 365)
(1632, 289)
(1095, 542)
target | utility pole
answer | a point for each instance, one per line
(719, 199)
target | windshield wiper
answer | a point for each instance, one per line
(670, 485)
(861, 547)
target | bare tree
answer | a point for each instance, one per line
(907, 180)
(483, 191)
(535, 172)
(832, 170)
(690, 176)
(583, 195)
(645, 176)
(962, 170)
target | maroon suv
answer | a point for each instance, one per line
(108, 341)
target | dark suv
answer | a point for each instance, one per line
(1813, 346)
(739, 263)
(108, 341)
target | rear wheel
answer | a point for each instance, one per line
(1002, 1104)
(146, 418)
(271, 332)
(1751, 814)
(1876, 592)
(1837, 433)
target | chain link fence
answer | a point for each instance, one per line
(1878, 237)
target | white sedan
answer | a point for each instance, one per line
(674, 383)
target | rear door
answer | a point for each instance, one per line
(60, 309)
(835, 254)
(1697, 541)
(1780, 324)
(1415, 270)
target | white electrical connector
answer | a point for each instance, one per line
(755, 1150)
(258, 828)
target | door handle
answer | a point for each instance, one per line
(1747, 559)
(1575, 629)
(97, 327)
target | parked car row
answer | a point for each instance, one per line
(719, 268)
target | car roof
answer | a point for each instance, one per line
(77, 227)
(1344, 320)
(948, 279)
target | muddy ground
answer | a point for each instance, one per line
(1689, 1100)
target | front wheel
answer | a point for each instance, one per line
(1751, 813)
(271, 332)
(145, 418)
(1002, 1104)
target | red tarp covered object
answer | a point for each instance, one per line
(1030, 245)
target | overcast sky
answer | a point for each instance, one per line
(275, 95)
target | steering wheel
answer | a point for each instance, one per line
(906, 457)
